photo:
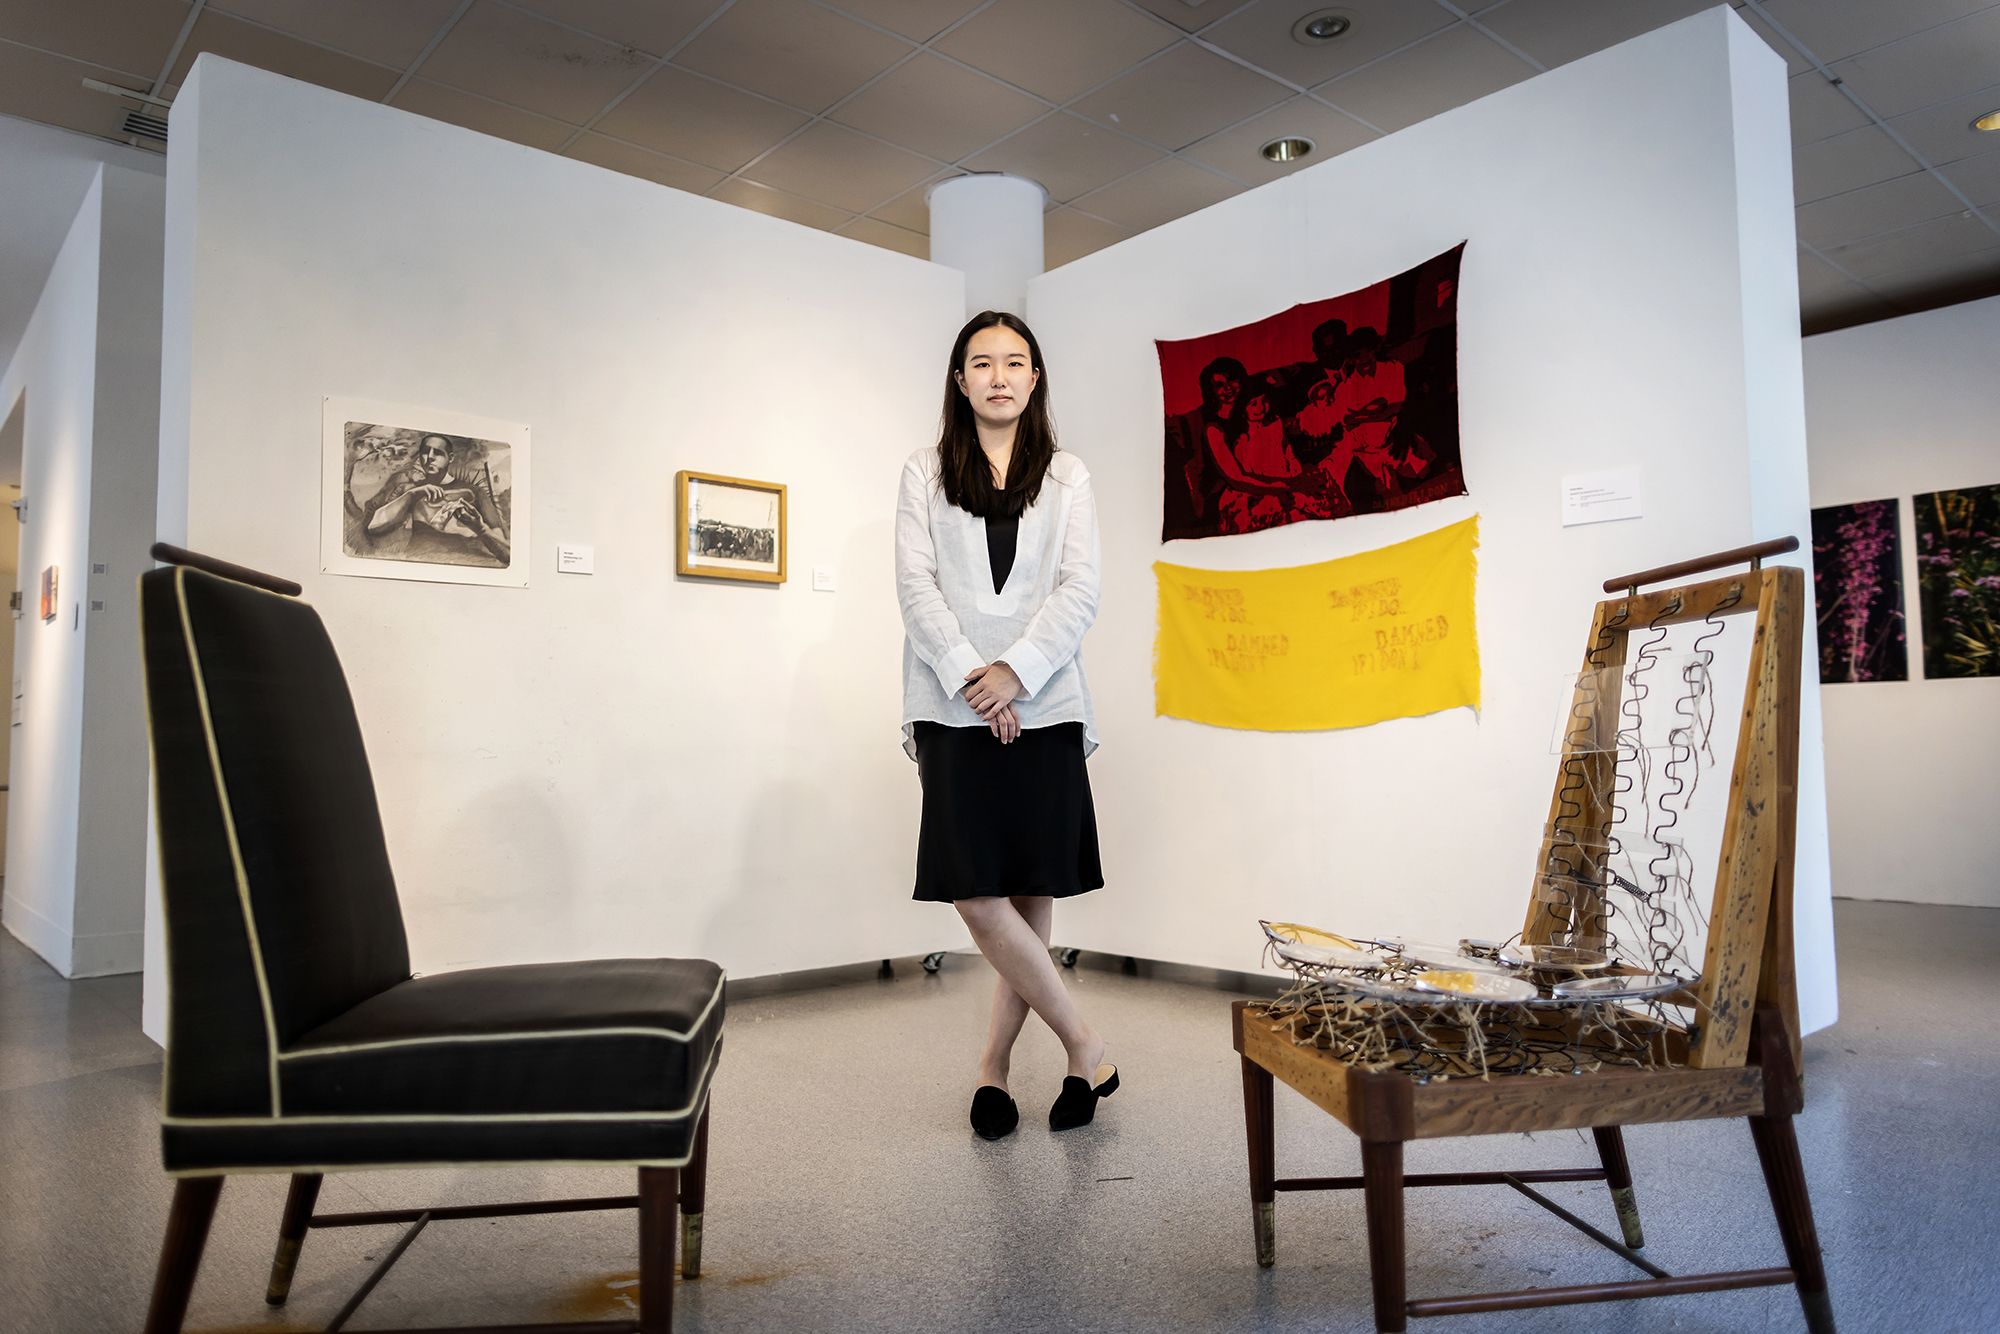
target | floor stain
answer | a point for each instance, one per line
(606, 1297)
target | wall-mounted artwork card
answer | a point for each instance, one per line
(729, 527)
(1858, 588)
(1958, 580)
(51, 576)
(1336, 407)
(422, 493)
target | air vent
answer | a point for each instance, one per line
(145, 126)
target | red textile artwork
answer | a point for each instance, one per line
(1336, 407)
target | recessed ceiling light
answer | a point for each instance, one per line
(1288, 149)
(1322, 25)
(1989, 121)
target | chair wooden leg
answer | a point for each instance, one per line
(292, 1235)
(694, 1199)
(180, 1253)
(1382, 1184)
(658, 1197)
(1260, 1130)
(1785, 1177)
(1618, 1176)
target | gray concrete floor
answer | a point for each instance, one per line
(848, 1193)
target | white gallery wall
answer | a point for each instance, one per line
(1628, 298)
(638, 764)
(1895, 410)
(86, 378)
(624, 763)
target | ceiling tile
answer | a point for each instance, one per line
(1846, 162)
(778, 204)
(653, 26)
(1066, 155)
(839, 167)
(1873, 210)
(531, 63)
(1836, 29)
(643, 163)
(1979, 177)
(938, 107)
(1795, 64)
(37, 86)
(1190, 15)
(1819, 110)
(699, 119)
(391, 32)
(1943, 133)
(1926, 243)
(1068, 235)
(1817, 276)
(477, 113)
(1056, 48)
(1235, 151)
(918, 20)
(1556, 32)
(234, 39)
(1161, 193)
(1184, 95)
(132, 36)
(1457, 66)
(1262, 35)
(1943, 62)
(1969, 268)
(882, 234)
(909, 210)
(797, 52)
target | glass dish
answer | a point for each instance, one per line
(1328, 956)
(1469, 984)
(1441, 956)
(1556, 958)
(1622, 986)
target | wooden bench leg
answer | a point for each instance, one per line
(1260, 1130)
(1785, 1177)
(1382, 1184)
(1618, 1176)
(659, 1189)
(180, 1253)
(292, 1235)
(694, 1199)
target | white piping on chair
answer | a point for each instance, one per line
(235, 851)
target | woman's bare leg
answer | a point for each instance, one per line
(1013, 934)
(1010, 1012)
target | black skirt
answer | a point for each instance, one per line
(1012, 819)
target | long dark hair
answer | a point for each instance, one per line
(966, 476)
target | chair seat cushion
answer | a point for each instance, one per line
(598, 1036)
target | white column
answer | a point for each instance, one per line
(989, 227)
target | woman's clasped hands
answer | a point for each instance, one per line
(991, 691)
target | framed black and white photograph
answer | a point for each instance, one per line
(730, 527)
(423, 493)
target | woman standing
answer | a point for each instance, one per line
(997, 575)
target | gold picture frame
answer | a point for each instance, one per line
(729, 527)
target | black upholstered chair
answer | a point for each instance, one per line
(299, 1042)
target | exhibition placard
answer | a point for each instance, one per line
(1344, 643)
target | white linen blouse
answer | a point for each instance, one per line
(953, 621)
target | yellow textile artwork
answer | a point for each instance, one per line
(1345, 643)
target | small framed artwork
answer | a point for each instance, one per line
(51, 577)
(729, 527)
